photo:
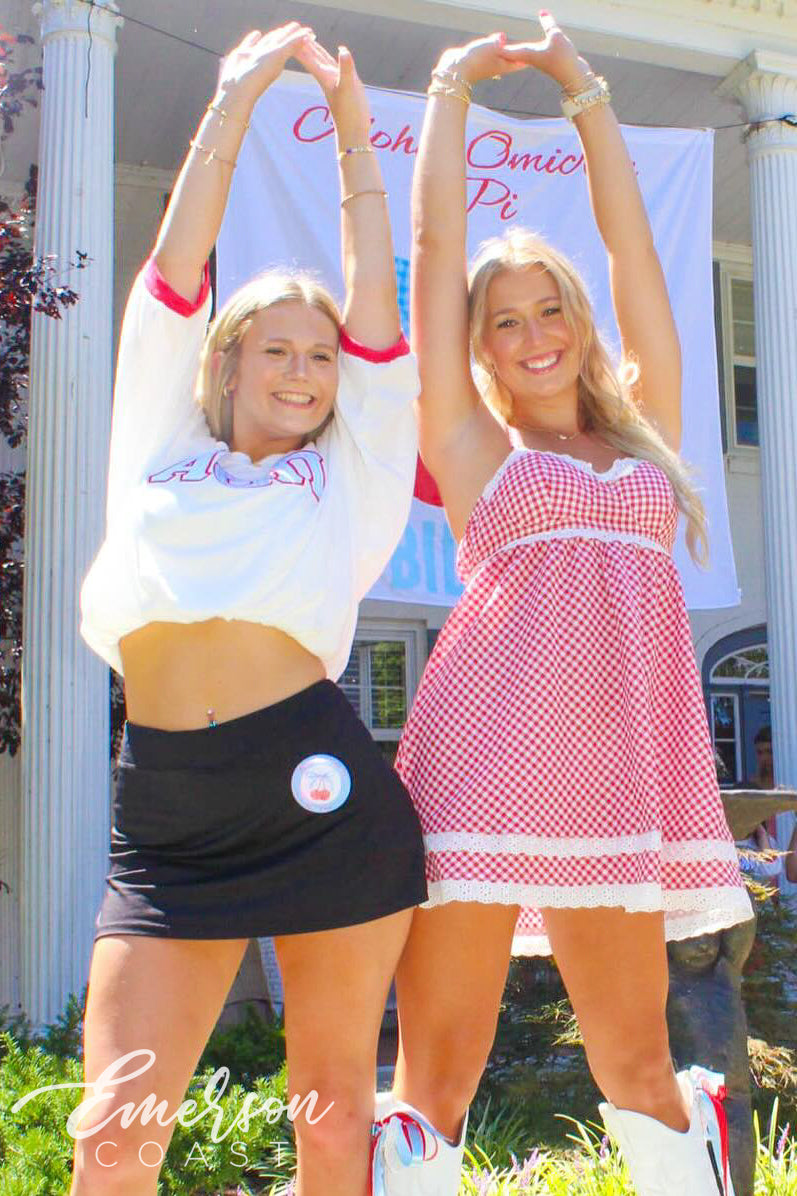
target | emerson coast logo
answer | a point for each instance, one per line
(99, 1114)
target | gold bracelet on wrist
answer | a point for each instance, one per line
(211, 155)
(365, 191)
(355, 149)
(452, 79)
(436, 90)
(226, 115)
(572, 89)
(593, 95)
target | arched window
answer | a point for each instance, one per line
(736, 681)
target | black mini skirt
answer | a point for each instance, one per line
(285, 821)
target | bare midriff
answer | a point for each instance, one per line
(179, 677)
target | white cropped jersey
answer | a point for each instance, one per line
(195, 531)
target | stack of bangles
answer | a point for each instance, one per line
(448, 83)
(589, 92)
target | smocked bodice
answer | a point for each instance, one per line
(536, 496)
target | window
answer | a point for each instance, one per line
(737, 677)
(738, 356)
(725, 735)
(382, 675)
(749, 664)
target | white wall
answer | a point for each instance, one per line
(140, 203)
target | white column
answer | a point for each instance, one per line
(766, 84)
(65, 768)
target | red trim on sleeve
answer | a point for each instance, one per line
(159, 288)
(425, 486)
(377, 356)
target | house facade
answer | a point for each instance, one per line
(123, 94)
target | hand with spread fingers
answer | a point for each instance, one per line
(341, 85)
(260, 59)
(554, 54)
(494, 56)
(480, 59)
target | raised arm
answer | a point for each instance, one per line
(455, 423)
(439, 302)
(371, 310)
(196, 208)
(639, 291)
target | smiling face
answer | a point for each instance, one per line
(285, 380)
(526, 338)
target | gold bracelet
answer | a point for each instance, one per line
(446, 76)
(572, 89)
(592, 96)
(355, 149)
(226, 115)
(365, 191)
(212, 156)
(437, 89)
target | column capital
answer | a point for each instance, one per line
(99, 20)
(765, 84)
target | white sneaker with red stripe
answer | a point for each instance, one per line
(664, 1162)
(409, 1157)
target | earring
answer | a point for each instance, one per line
(227, 414)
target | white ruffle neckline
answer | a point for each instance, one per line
(618, 468)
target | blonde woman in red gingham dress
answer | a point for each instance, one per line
(557, 751)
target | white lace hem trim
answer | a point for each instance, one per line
(687, 912)
(604, 535)
(680, 851)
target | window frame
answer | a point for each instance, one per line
(736, 269)
(413, 634)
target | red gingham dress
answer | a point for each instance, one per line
(557, 750)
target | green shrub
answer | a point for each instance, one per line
(537, 1064)
(36, 1150)
(506, 1155)
(251, 1049)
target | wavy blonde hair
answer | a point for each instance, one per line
(229, 328)
(605, 402)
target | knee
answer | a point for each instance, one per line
(338, 1127)
(633, 1067)
(117, 1164)
(443, 1082)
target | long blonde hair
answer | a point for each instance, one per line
(229, 328)
(605, 402)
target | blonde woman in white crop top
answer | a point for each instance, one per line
(260, 477)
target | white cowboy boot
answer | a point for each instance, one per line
(664, 1162)
(409, 1157)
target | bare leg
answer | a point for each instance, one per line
(614, 966)
(336, 984)
(449, 985)
(163, 995)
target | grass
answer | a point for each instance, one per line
(590, 1165)
(517, 1144)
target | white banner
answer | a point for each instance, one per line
(283, 209)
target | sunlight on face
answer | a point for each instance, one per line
(286, 379)
(526, 337)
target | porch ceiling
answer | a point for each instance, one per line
(162, 84)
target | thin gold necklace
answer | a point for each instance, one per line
(548, 431)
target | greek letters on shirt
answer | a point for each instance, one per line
(305, 467)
